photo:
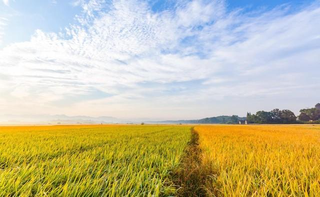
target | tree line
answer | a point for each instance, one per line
(220, 120)
(277, 116)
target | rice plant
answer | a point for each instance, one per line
(90, 160)
(269, 160)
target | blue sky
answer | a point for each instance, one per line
(26, 17)
(160, 59)
(265, 4)
(55, 15)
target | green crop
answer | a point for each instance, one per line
(90, 160)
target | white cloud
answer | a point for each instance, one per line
(6, 2)
(2, 25)
(125, 58)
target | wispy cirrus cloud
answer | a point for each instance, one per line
(127, 60)
(2, 25)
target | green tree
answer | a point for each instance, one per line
(303, 116)
(288, 116)
(234, 119)
(309, 114)
(264, 117)
(276, 116)
(318, 106)
(251, 118)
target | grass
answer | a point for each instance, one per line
(90, 160)
(190, 176)
(269, 160)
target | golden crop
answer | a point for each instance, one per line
(90, 160)
(262, 160)
(119, 160)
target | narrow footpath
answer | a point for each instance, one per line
(191, 177)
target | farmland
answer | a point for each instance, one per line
(259, 160)
(155, 160)
(90, 160)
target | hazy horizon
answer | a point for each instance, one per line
(158, 60)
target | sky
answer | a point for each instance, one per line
(158, 59)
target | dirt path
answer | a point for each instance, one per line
(191, 176)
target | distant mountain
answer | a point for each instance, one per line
(43, 119)
(211, 120)
(55, 119)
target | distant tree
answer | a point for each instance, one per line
(252, 118)
(276, 116)
(264, 117)
(249, 118)
(318, 106)
(288, 116)
(206, 120)
(303, 116)
(312, 113)
(317, 111)
(218, 120)
(234, 119)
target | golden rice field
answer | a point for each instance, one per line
(272, 160)
(120, 160)
(90, 160)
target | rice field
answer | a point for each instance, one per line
(256, 160)
(90, 160)
(121, 160)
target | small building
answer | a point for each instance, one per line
(243, 122)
